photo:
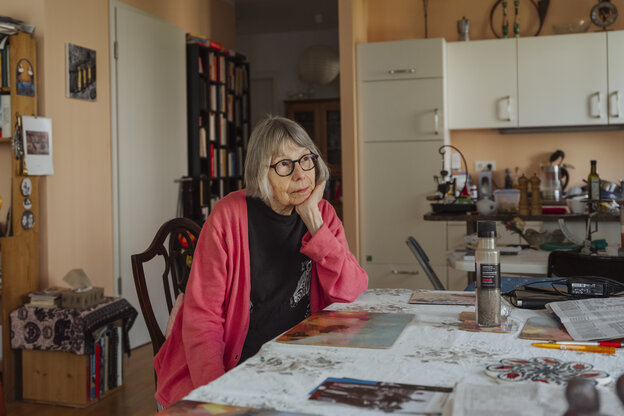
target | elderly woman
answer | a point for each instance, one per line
(267, 257)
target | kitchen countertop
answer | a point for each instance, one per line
(473, 217)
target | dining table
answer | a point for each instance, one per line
(432, 350)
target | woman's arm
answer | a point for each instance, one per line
(340, 277)
(204, 314)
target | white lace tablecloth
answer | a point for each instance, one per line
(431, 351)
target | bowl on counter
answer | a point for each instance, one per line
(577, 205)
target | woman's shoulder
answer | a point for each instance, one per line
(229, 206)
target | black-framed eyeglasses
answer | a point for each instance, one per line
(286, 167)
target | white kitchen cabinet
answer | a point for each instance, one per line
(615, 48)
(402, 110)
(401, 126)
(413, 58)
(562, 80)
(482, 84)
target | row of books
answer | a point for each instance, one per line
(211, 190)
(237, 78)
(105, 364)
(213, 65)
(222, 162)
(214, 130)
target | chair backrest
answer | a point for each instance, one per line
(574, 264)
(175, 241)
(422, 258)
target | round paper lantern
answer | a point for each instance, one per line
(319, 65)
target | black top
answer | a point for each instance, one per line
(280, 274)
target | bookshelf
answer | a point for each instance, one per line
(321, 120)
(19, 249)
(218, 124)
(75, 380)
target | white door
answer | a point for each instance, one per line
(148, 84)
(482, 79)
(562, 80)
(615, 42)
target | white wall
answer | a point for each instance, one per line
(276, 54)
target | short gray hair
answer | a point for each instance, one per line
(270, 136)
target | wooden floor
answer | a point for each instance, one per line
(136, 398)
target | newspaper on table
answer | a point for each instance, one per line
(591, 319)
(520, 399)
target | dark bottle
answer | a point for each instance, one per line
(593, 183)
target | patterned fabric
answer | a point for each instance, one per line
(69, 330)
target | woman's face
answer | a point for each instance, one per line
(291, 190)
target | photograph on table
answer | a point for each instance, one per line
(387, 397)
(442, 297)
(348, 329)
(544, 328)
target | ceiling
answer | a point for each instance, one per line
(275, 16)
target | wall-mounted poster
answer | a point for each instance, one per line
(81, 72)
(37, 136)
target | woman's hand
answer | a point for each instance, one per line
(309, 211)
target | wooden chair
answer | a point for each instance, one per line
(175, 241)
(574, 264)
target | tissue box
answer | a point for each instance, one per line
(82, 300)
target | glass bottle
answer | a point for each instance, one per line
(487, 268)
(593, 183)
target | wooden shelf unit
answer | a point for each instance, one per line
(321, 120)
(20, 251)
(219, 125)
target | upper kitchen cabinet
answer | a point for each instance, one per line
(401, 90)
(482, 84)
(562, 80)
(615, 46)
(401, 59)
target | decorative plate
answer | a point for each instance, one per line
(544, 370)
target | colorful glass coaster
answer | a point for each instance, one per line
(544, 370)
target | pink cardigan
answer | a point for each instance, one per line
(209, 331)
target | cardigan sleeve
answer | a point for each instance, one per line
(204, 313)
(340, 277)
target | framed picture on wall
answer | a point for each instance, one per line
(81, 72)
(37, 136)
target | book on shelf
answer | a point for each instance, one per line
(5, 118)
(222, 130)
(203, 147)
(230, 107)
(213, 98)
(221, 68)
(222, 105)
(212, 135)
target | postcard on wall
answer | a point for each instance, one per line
(349, 329)
(387, 397)
(81, 73)
(443, 297)
(37, 136)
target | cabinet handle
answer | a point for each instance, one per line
(616, 107)
(596, 94)
(436, 122)
(410, 272)
(508, 98)
(402, 71)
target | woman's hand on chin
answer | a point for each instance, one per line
(309, 211)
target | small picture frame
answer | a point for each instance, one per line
(37, 142)
(81, 73)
